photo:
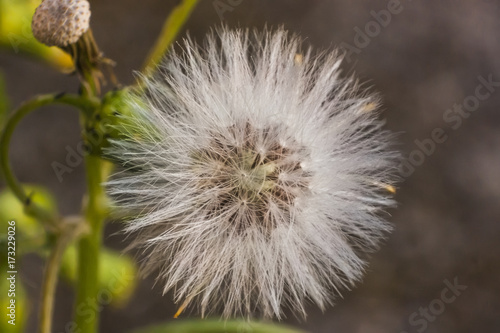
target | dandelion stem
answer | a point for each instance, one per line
(171, 28)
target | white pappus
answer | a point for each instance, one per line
(256, 177)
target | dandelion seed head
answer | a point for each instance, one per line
(256, 178)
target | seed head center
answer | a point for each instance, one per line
(251, 176)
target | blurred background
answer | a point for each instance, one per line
(427, 60)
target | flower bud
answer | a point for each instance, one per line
(61, 22)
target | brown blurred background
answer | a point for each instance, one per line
(424, 61)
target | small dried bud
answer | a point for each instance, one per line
(60, 22)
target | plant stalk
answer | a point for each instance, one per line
(86, 313)
(171, 28)
(84, 104)
(69, 230)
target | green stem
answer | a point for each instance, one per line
(95, 211)
(170, 30)
(87, 314)
(69, 231)
(49, 286)
(84, 104)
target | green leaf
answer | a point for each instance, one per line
(218, 326)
